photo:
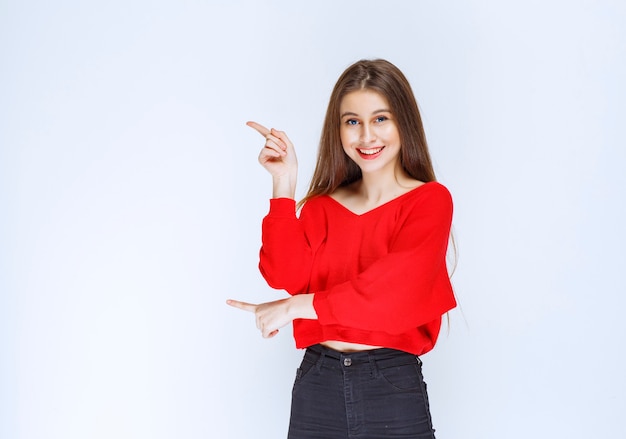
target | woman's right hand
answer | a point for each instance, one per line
(278, 156)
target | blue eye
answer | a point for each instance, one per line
(352, 122)
(381, 118)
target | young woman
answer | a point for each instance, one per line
(364, 262)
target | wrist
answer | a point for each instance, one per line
(301, 306)
(284, 186)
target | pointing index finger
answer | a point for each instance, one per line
(259, 128)
(250, 307)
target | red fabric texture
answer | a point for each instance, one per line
(379, 278)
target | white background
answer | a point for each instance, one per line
(131, 203)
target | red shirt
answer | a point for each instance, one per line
(379, 278)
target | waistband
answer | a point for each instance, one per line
(382, 358)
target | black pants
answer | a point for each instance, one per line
(371, 394)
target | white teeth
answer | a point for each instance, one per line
(371, 151)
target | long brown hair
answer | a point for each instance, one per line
(334, 168)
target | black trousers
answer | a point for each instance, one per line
(371, 394)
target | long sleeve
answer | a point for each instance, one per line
(285, 256)
(406, 288)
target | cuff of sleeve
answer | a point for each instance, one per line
(323, 309)
(330, 304)
(282, 208)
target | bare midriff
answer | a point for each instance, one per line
(344, 346)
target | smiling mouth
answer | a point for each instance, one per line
(371, 151)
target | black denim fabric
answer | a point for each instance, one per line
(372, 394)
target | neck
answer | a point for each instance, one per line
(376, 187)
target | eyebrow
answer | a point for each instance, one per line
(349, 113)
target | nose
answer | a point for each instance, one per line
(367, 134)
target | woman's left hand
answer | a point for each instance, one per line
(271, 316)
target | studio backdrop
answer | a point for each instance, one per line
(131, 203)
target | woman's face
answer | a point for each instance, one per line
(368, 132)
